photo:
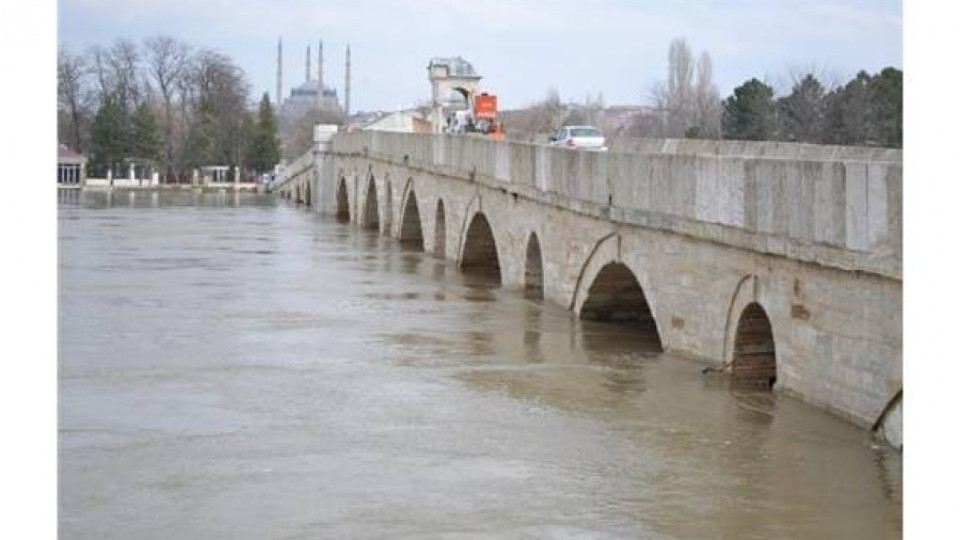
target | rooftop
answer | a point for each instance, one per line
(456, 66)
(65, 153)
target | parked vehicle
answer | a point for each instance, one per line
(481, 118)
(580, 137)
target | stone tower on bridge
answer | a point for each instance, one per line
(448, 75)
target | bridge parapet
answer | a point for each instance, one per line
(755, 149)
(824, 206)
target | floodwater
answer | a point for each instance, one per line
(237, 368)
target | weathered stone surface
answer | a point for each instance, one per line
(811, 234)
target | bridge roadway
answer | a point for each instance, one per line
(781, 263)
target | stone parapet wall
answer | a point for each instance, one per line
(758, 149)
(844, 213)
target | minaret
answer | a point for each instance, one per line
(308, 63)
(346, 91)
(320, 74)
(277, 98)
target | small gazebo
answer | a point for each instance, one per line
(71, 167)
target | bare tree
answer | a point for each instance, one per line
(71, 98)
(124, 62)
(168, 63)
(707, 106)
(222, 91)
(679, 100)
(117, 71)
(97, 62)
(536, 120)
(689, 99)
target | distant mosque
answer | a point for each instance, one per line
(308, 96)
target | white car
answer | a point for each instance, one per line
(585, 137)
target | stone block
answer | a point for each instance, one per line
(894, 183)
(829, 223)
(855, 179)
(730, 204)
(770, 198)
(682, 187)
(708, 189)
(877, 222)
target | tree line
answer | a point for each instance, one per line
(164, 104)
(865, 111)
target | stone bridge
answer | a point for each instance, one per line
(781, 263)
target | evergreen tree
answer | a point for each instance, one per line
(265, 152)
(803, 112)
(146, 143)
(750, 112)
(851, 112)
(202, 139)
(888, 94)
(110, 135)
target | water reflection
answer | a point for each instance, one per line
(68, 196)
(889, 464)
(532, 333)
(148, 198)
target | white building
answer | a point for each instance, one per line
(405, 121)
(71, 167)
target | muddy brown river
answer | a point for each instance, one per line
(231, 367)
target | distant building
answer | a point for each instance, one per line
(454, 83)
(405, 121)
(312, 95)
(304, 98)
(71, 167)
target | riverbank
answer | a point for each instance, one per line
(149, 185)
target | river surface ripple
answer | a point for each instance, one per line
(231, 367)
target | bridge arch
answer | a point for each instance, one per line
(306, 193)
(608, 289)
(343, 201)
(533, 269)
(747, 291)
(754, 350)
(371, 209)
(411, 229)
(616, 296)
(479, 252)
(605, 250)
(440, 231)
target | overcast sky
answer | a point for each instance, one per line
(520, 47)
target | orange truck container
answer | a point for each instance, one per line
(485, 106)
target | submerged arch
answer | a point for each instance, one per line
(411, 230)
(440, 232)
(533, 269)
(480, 249)
(343, 202)
(754, 351)
(371, 209)
(616, 296)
